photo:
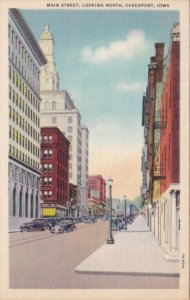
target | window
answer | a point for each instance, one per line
(46, 105)
(47, 194)
(48, 153)
(47, 167)
(10, 92)
(9, 72)
(13, 96)
(53, 105)
(70, 120)
(70, 129)
(53, 120)
(47, 180)
(13, 76)
(45, 139)
(70, 138)
(16, 80)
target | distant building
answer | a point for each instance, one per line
(25, 60)
(55, 172)
(84, 170)
(58, 109)
(97, 193)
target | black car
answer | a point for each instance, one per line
(53, 220)
(36, 224)
(63, 226)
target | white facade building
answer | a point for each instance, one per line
(84, 171)
(58, 109)
(25, 60)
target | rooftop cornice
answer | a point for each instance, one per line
(27, 34)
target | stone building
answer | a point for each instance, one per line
(25, 60)
(58, 109)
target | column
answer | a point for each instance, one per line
(173, 240)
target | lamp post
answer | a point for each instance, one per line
(149, 214)
(110, 239)
(78, 206)
(125, 207)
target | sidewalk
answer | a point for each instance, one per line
(135, 252)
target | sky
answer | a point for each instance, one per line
(102, 58)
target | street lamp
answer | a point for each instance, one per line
(110, 239)
(78, 206)
(125, 203)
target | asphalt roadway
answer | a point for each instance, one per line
(41, 260)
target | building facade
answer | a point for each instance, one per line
(84, 171)
(160, 160)
(97, 192)
(25, 60)
(58, 110)
(55, 172)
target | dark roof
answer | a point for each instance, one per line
(28, 36)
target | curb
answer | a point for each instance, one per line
(128, 273)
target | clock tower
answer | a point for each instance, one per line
(49, 79)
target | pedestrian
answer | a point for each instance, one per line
(119, 225)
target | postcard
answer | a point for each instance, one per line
(94, 149)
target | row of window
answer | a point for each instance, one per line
(47, 153)
(23, 88)
(22, 59)
(23, 176)
(24, 157)
(46, 167)
(47, 181)
(24, 107)
(47, 105)
(46, 139)
(24, 125)
(23, 141)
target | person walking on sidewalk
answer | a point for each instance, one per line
(120, 225)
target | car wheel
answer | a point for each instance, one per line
(25, 229)
(46, 228)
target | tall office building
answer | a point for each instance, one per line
(84, 171)
(25, 60)
(58, 109)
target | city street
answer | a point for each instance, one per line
(45, 260)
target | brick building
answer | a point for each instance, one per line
(55, 171)
(161, 151)
(169, 204)
(96, 193)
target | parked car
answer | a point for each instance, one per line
(63, 226)
(90, 220)
(53, 220)
(36, 224)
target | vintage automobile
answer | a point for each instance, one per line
(36, 224)
(53, 221)
(90, 220)
(63, 226)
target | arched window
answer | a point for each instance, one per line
(14, 201)
(20, 203)
(36, 215)
(46, 105)
(26, 204)
(53, 105)
(31, 205)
